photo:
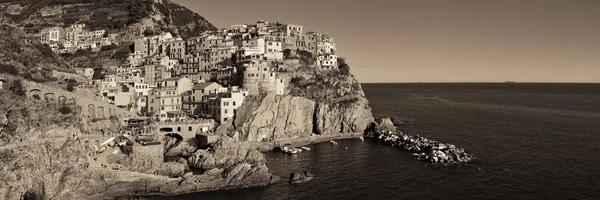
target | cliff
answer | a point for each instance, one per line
(319, 102)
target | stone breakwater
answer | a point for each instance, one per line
(425, 149)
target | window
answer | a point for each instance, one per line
(162, 108)
(233, 103)
(190, 128)
(225, 111)
(179, 129)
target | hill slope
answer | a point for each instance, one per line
(110, 15)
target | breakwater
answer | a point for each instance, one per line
(423, 148)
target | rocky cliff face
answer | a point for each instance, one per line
(320, 102)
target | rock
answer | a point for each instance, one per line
(424, 149)
(300, 177)
(214, 172)
(172, 169)
(209, 163)
(279, 117)
(386, 124)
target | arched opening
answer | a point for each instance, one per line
(174, 135)
(100, 112)
(166, 129)
(92, 111)
(49, 97)
(62, 99)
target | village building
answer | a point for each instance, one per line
(327, 61)
(164, 103)
(181, 84)
(223, 106)
(193, 99)
(292, 29)
(176, 49)
(258, 77)
(153, 73)
(52, 34)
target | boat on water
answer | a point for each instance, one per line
(289, 150)
(361, 138)
(305, 148)
(333, 142)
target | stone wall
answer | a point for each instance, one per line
(186, 129)
(91, 107)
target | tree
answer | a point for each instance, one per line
(65, 110)
(124, 88)
(343, 66)
(149, 32)
(9, 69)
(98, 74)
(18, 88)
(70, 86)
(287, 54)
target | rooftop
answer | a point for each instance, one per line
(200, 86)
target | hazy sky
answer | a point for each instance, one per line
(441, 40)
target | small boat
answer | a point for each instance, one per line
(361, 138)
(289, 150)
(333, 142)
(305, 148)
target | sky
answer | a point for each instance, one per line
(440, 40)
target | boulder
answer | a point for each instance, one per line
(386, 124)
(300, 177)
(172, 169)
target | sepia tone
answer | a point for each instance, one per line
(443, 41)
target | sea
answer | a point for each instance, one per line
(531, 140)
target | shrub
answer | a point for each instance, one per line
(297, 81)
(9, 69)
(149, 32)
(343, 66)
(65, 110)
(287, 54)
(70, 87)
(121, 54)
(108, 47)
(18, 88)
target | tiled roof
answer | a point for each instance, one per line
(200, 86)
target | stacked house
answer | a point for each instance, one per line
(74, 37)
(209, 75)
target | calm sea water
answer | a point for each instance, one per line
(532, 141)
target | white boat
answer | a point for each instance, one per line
(362, 138)
(305, 148)
(333, 142)
(289, 150)
(108, 141)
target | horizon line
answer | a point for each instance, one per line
(451, 82)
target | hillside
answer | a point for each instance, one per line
(21, 57)
(111, 15)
